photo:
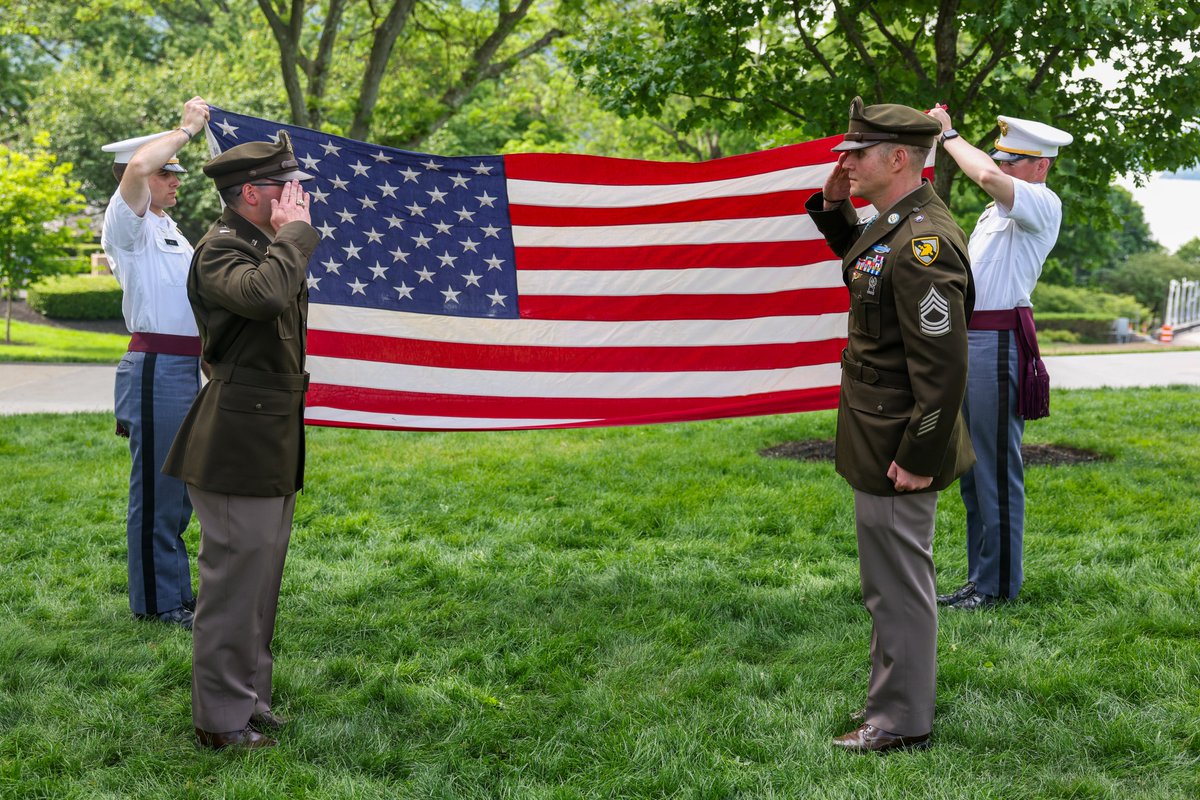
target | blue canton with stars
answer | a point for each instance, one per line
(399, 231)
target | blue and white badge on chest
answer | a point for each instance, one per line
(872, 262)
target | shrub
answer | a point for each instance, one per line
(77, 297)
(1146, 276)
(1060, 336)
(1084, 327)
(1048, 298)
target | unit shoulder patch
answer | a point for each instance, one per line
(926, 248)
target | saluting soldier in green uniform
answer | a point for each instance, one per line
(900, 435)
(241, 448)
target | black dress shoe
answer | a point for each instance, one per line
(266, 721)
(958, 595)
(869, 739)
(190, 605)
(976, 600)
(176, 616)
(246, 739)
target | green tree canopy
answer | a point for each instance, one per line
(1085, 249)
(37, 200)
(788, 68)
(1190, 251)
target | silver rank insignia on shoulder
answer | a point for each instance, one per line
(893, 218)
(224, 230)
(934, 313)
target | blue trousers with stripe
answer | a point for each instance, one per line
(153, 394)
(993, 490)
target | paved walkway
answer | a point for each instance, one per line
(68, 388)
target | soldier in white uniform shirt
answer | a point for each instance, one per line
(1006, 380)
(160, 375)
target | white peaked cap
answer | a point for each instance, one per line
(1024, 137)
(125, 149)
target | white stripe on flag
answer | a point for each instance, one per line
(717, 231)
(375, 419)
(542, 333)
(586, 195)
(609, 385)
(635, 282)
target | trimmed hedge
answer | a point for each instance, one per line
(76, 297)
(1085, 327)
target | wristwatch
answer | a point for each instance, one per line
(949, 133)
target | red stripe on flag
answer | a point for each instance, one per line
(450, 355)
(567, 168)
(686, 306)
(770, 204)
(678, 256)
(606, 411)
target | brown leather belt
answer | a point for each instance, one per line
(165, 343)
(234, 373)
(881, 377)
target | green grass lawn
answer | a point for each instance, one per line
(630, 613)
(44, 343)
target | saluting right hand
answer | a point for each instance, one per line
(292, 206)
(837, 185)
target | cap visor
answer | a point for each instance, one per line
(294, 175)
(1000, 155)
(853, 146)
(173, 168)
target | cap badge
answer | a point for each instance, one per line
(926, 248)
(1003, 127)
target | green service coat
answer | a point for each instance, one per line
(904, 370)
(244, 434)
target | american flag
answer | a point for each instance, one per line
(555, 290)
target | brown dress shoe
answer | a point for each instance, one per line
(266, 721)
(246, 738)
(869, 739)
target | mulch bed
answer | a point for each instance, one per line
(1052, 455)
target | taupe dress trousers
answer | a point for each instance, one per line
(895, 564)
(243, 544)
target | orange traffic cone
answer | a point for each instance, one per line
(1165, 334)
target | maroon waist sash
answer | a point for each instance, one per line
(165, 343)
(1033, 393)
